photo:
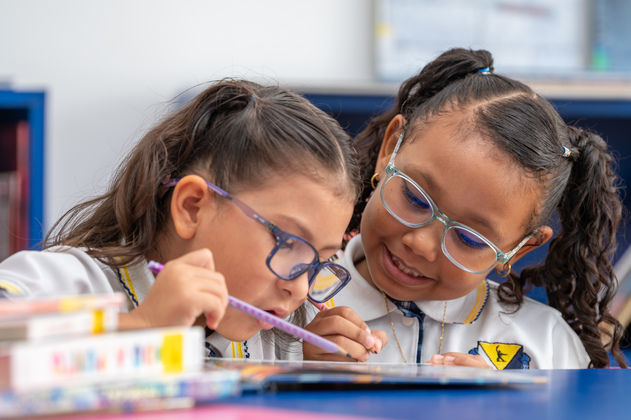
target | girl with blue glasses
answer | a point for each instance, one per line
(464, 176)
(246, 190)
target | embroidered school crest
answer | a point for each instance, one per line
(503, 355)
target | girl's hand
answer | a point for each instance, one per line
(343, 326)
(460, 359)
(186, 288)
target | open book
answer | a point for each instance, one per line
(294, 375)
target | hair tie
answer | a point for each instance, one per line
(163, 187)
(566, 152)
(253, 97)
(485, 70)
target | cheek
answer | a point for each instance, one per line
(376, 220)
(460, 282)
(247, 275)
(294, 305)
(243, 262)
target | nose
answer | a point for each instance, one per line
(296, 289)
(425, 241)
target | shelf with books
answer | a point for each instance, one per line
(22, 150)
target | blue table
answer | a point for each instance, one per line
(569, 394)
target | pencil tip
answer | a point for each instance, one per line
(342, 352)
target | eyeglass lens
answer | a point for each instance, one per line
(293, 257)
(412, 206)
(329, 279)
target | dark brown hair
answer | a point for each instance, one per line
(582, 189)
(237, 133)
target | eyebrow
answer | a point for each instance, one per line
(304, 233)
(478, 220)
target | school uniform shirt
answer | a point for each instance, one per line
(534, 337)
(66, 270)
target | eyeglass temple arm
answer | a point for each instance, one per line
(247, 210)
(396, 149)
(512, 253)
(390, 166)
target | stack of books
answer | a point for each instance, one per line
(64, 354)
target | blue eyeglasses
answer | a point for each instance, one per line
(407, 202)
(293, 256)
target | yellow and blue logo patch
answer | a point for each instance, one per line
(503, 355)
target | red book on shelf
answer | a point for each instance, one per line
(14, 164)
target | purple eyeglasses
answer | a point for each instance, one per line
(292, 256)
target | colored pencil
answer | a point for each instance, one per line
(277, 322)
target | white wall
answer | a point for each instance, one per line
(109, 66)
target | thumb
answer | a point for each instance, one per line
(380, 336)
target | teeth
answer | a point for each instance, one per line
(404, 268)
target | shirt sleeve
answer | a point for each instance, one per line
(568, 351)
(60, 271)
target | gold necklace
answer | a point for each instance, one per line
(385, 300)
(442, 327)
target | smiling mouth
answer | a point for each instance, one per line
(407, 270)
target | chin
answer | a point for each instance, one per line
(394, 293)
(237, 332)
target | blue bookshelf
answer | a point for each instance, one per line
(30, 106)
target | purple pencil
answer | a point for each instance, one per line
(279, 323)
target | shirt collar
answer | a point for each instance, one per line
(464, 310)
(136, 279)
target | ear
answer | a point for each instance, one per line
(542, 236)
(390, 139)
(190, 196)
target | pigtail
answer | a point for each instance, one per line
(578, 273)
(450, 66)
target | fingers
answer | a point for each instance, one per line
(213, 300)
(381, 339)
(186, 288)
(343, 326)
(460, 359)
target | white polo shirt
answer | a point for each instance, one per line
(68, 271)
(534, 337)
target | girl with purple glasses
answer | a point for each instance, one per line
(247, 190)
